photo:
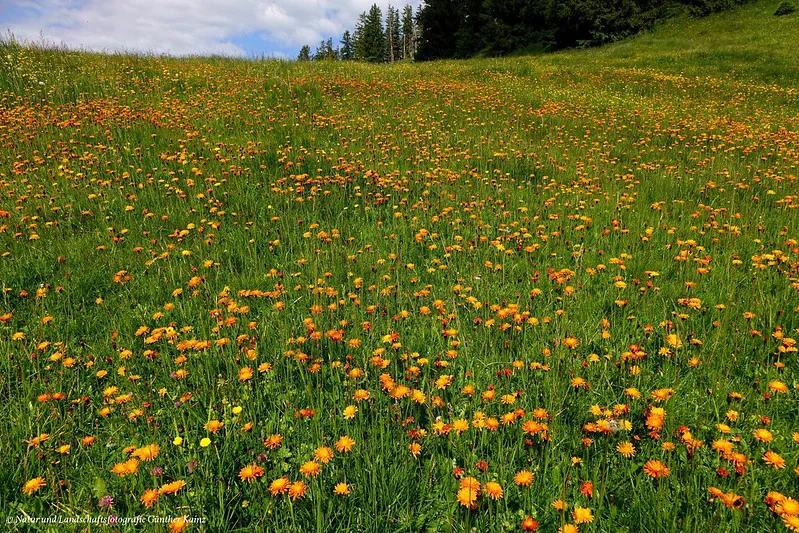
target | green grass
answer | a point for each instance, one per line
(465, 219)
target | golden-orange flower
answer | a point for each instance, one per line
(33, 485)
(279, 486)
(656, 469)
(297, 490)
(251, 472)
(149, 497)
(172, 488)
(523, 478)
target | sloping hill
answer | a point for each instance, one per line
(749, 42)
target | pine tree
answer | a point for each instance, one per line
(392, 35)
(305, 53)
(370, 44)
(409, 33)
(325, 51)
(347, 50)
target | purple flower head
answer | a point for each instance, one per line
(106, 502)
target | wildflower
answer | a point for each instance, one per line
(763, 435)
(214, 426)
(656, 469)
(205, 442)
(297, 490)
(342, 489)
(149, 497)
(345, 444)
(774, 459)
(323, 454)
(493, 490)
(251, 472)
(106, 502)
(245, 373)
(172, 488)
(523, 478)
(626, 448)
(559, 505)
(349, 412)
(125, 468)
(33, 485)
(178, 524)
(310, 469)
(582, 515)
(529, 524)
(147, 453)
(467, 497)
(279, 486)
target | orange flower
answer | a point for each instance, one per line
(147, 453)
(131, 466)
(245, 373)
(297, 490)
(310, 469)
(33, 485)
(273, 441)
(763, 435)
(523, 478)
(172, 488)
(529, 524)
(626, 449)
(345, 444)
(774, 459)
(178, 524)
(467, 496)
(342, 489)
(213, 426)
(149, 497)
(493, 490)
(656, 469)
(279, 486)
(251, 472)
(323, 454)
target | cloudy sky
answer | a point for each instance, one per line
(180, 27)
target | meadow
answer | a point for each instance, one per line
(554, 293)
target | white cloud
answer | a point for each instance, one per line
(183, 27)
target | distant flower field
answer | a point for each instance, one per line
(497, 295)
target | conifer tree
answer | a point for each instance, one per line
(347, 50)
(409, 33)
(392, 35)
(371, 42)
(305, 53)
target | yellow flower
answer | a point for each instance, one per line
(349, 412)
(205, 442)
(582, 515)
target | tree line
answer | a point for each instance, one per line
(442, 29)
(374, 39)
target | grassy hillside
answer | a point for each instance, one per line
(557, 291)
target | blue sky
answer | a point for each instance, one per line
(182, 27)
